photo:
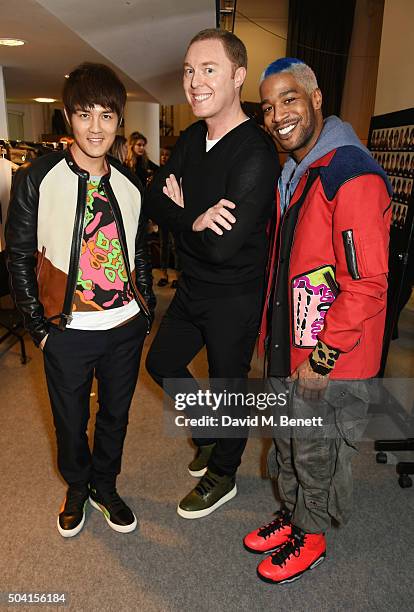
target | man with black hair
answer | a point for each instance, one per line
(81, 278)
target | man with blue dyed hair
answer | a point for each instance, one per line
(303, 73)
(324, 313)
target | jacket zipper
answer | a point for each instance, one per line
(294, 232)
(304, 196)
(126, 259)
(331, 282)
(75, 251)
(42, 258)
(272, 292)
(351, 178)
(350, 253)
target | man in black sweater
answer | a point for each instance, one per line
(216, 194)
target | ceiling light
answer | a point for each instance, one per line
(11, 42)
(67, 76)
(45, 99)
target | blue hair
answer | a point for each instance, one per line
(280, 65)
(301, 71)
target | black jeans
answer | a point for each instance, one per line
(228, 327)
(71, 359)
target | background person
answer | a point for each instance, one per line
(167, 244)
(137, 159)
(119, 148)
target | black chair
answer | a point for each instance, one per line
(403, 468)
(10, 318)
(401, 281)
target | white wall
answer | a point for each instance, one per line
(395, 83)
(262, 49)
(183, 117)
(358, 98)
(144, 117)
(33, 119)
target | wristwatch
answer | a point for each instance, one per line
(318, 367)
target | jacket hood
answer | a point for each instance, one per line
(335, 133)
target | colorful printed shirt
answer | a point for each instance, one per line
(102, 279)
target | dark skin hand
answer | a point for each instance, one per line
(311, 385)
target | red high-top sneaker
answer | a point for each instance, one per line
(302, 552)
(270, 536)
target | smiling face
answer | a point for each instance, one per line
(211, 82)
(291, 115)
(94, 132)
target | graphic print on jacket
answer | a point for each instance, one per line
(312, 295)
(102, 280)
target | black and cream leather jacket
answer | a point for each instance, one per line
(44, 236)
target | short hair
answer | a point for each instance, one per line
(235, 48)
(91, 84)
(301, 71)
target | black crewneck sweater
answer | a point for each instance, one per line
(243, 167)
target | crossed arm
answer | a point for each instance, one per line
(214, 218)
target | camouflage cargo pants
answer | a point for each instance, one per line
(314, 462)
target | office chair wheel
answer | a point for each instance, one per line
(405, 481)
(381, 457)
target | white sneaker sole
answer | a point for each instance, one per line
(69, 533)
(297, 576)
(114, 526)
(311, 567)
(201, 513)
(197, 474)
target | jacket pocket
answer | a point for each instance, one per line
(366, 253)
(313, 293)
(372, 250)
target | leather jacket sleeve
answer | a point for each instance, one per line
(21, 249)
(143, 268)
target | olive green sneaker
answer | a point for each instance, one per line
(198, 466)
(211, 492)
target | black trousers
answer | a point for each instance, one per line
(228, 327)
(71, 359)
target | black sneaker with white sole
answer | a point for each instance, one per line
(117, 514)
(72, 513)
